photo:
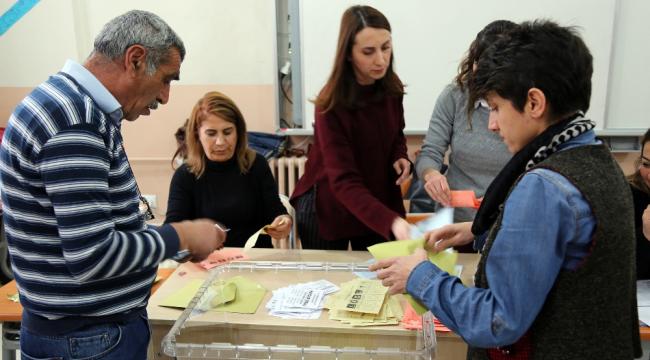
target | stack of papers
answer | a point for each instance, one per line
(300, 301)
(363, 302)
(445, 260)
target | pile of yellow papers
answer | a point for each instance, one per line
(236, 295)
(363, 302)
(445, 260)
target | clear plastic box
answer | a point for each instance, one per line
(199, 334)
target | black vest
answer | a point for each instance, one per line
(591, 312)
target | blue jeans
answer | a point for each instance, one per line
(127, 340)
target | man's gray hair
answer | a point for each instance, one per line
(141, 28)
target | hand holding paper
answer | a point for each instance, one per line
(394, 272)
(445, 260)
(280, 227)
(449, 236)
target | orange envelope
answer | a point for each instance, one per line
(412, 321)
(464, 198)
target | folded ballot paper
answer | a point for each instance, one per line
(236, 295)
(445, 260)
(363, 302)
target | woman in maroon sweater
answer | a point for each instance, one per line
(350, 189)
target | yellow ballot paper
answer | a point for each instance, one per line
(445, 260)
(252, 240)
(182, 297)
(225, 293)
(377, 309)
(367, 297)
(249, 296)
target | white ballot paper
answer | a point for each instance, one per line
(300, 301)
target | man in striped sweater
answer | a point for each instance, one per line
(83, 256)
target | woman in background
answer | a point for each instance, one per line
(350, 190)
(640, 185)
(477, 154)
(222, 179)
(181, 147)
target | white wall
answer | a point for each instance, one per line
(430, 37)
(228, 42)
(629, 90)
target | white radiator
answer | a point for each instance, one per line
(287, 171)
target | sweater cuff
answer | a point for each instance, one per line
(170, 238)
(387, 218)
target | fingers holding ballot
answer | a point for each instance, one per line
(449, 236)
(394, 272)
(280, 227)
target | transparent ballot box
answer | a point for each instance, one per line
(204, 331)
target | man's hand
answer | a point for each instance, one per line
(201, 237)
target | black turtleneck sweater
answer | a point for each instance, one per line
(243, 203)
(641, 201)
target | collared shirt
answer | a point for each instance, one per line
(95, 89)
(556, 221)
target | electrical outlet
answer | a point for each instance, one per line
(151, 199)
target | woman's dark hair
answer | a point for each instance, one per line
(181, 149)
(341, 88)
(635, 178)
(488, 35)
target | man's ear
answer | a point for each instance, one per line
(134, 59)
(536, 105)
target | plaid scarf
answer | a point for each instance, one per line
(532, 154)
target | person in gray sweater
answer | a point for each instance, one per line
(476, 154)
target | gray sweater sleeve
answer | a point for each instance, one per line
(439, 134)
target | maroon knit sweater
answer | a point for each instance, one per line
(351, 163)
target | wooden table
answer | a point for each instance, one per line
(259, 327)
(11, 313)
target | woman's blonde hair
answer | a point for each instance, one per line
(218, 104)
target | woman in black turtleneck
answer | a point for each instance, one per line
(640, 184)
(222, 179)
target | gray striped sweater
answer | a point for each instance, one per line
(79, 246)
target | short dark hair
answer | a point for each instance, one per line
(539, 54)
